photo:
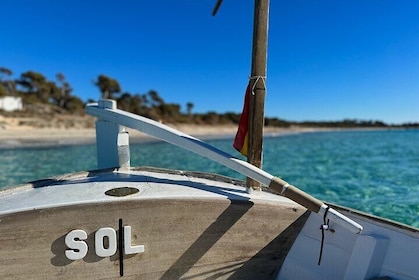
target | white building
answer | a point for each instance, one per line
(11, 103)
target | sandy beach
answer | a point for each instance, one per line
(31, 137)
(28, 132)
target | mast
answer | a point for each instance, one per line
(258, 84)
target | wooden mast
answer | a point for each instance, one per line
(258, 84)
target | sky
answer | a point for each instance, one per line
(327, 59)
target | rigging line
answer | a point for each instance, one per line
(257, 78)
(217, 5)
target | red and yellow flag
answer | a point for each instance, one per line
(241, 139)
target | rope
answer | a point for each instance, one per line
(257, 78)
(323, 227)
(284, 189)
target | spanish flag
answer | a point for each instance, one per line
(241, 139)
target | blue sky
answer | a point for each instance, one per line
(327, 59)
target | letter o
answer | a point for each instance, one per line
(100, 249)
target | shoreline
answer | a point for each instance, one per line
(30, 137)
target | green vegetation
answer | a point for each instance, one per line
(35, 89)
(38, 92)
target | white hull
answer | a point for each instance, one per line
(192, 226)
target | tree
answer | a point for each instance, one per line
(7, 85)
(107, 86)
(189, 107)
(211, 118)
(3, 91)
(124, 102)
(169, 112)
(139, 105)
(36, 86)
(156, 100)
(64, 91)
(74, 105)
(6, 72)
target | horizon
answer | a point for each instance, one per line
(327, 61)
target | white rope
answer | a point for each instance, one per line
(257, 78)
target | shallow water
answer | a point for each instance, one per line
(372, 171)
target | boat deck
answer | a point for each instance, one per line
(145, 182)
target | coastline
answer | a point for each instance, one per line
(79, 130)
(26, 136)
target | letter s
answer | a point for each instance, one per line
(77, 247)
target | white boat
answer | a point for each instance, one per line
(149, 223)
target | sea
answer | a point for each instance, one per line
(375, 171)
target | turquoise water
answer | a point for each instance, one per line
(373, 171)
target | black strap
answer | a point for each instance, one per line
(121, 248)
(323, 227)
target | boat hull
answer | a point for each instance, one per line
(218, 233)
(147, 223)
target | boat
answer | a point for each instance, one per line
(150, 223)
